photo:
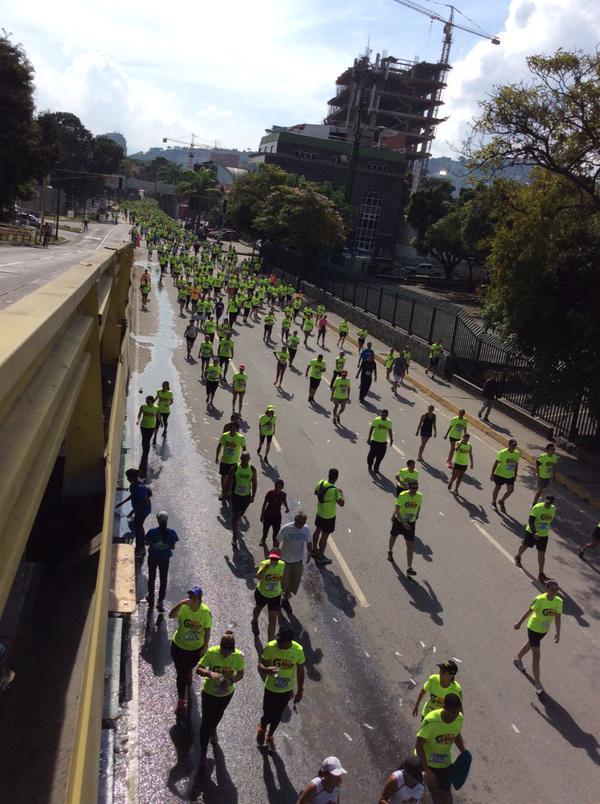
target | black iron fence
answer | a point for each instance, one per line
(475, 354)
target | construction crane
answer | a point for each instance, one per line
(449, 26)
(191, 145)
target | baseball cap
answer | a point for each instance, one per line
(270, 407)
(274, 554)
(162, 516)
(449, 666)
(333, 766)
(343, 373)
(195, 590)
(242, 366)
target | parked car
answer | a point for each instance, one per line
(28, 219)
(422, 269)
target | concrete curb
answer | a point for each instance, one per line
(571, 485)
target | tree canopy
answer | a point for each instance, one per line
(200, 187)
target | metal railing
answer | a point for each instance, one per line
(475, 354)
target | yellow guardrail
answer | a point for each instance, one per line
(53, 346)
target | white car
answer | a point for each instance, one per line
(28, 219)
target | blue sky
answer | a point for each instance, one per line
(228, 70)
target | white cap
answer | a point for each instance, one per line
(333, 766)
(162, 515)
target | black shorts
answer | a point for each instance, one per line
(225, 468)
(443, 776)
(459, 467)
(211, 386)
(262, 439)
(326, 525)
(534, 638)
(543, 482)
(399, 530)
(314, 383)
(501, 481)
(239, 503)
(532, 541)
(273, 603)
(433, 362)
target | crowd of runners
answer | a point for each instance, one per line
(217, 292)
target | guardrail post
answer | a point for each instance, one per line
(393, 322)
(354, 294)
(412, 314)
(379, 303)
(432, 325)
(454, 335)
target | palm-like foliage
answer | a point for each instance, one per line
(171, 173)
(200, 188)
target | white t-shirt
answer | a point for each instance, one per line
(405, 794)
(293, 541)
(323, 797)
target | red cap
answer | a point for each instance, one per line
(274, 554)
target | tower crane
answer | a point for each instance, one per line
(194, 142)
(449, 26)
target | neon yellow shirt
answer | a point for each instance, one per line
(547, 463)
(409, 505)
(225, 347)
(266, 424)
(330, 495)
(214, 373)
(227, 666)
(293, 341)
(149, 417)
(381, 428)
(191, 626)
(340, 362)
(341, 388)
(439, 738)
(232, 447)
(344, 327)
(508, 462)
(165, 398)
(317, 369)
(285, 661)
(543, 519)
(461, 453)
(544, 611)
(242, 485)
(437, 693)
(404, 476)
(283, 357)
(206, 349)
(458, 427)
(269, 583)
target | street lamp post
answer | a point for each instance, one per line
(57, 212)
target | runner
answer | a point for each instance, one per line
(286, 325)
(190, 640)
(222, 667)
(238, 388)
(182, 298)
(294, 542)
(367, 372)
(439, 731)
(293, 342)
(233, 419)
(270, 514)
(340, 363)
(405, 475)
(315, 370)
(205, 354)
(437, 686)
(344, 328)
(388, 363)
(361, 337)
(325, 787)
(241, 487)
(426, 428)
(407, 355)
(307, 327)
(283, 357)
(268, 592)
(404, 786)
(322, 330)
(328, 497)
(545, 470)
(504, 472)
(145, 292)
(141, 507)
(232, 443)
(213, 378)
(149, 420)
(225, 353)
(458, 425)
(406, 513)
(210, 328)
(219, 308)
(266, 430)
(366, 353)
(398, 371)
(436, 350)
(592, 544)
(537, 530)
(268, 322)
(161, 543)
(489, 394)
(379, 432)
(191, 333)
(165, 401)
(280, 659)
(463, 455)
(340, 395)
(544, 609)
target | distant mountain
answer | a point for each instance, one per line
(228, 157)
(456, 172)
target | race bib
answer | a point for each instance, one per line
(439, 758)
(282, 683)
(271, 586)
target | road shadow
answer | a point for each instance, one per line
(476, 512)
(280, 791)
(163, 450)
(318, 408)
(373, 395)
(268, 469)
(383, 482)
(220, 791)
(344, 432)
(431, 470)
(336, 592)
(423, 550)
(241, 565)
(511, 524)
(572, 609)
(558, 717)
(499, 428)
(285, 394)
(155, 649)
(182, 737)
(368, 406)
(469, 480)
(312, 656)
(423, 598)
(403, 400)
(214, 412)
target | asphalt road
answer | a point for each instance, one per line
(371, 635)
(24, 268)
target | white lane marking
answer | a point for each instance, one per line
(413, 682)
(515, 728)
(91, 237)
(398, 450)
(46, 258)
(441, 513)
(493, 541)
(358, 592)
(276, 444)
(6, 264)
(400, 701)
(456, 659)
(347, 736)
(367, 655)
(369, 727)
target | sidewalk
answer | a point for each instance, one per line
(581, 479)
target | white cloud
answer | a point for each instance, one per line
(531, 27)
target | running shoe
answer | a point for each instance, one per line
(180, 708)
(260, 736)
(519, 665)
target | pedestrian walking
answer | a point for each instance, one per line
(282, 357)
(268, 322)
(340, 363)
(292, 344)
(307, 327)
(437, 686)
(489, 394)
(328, 498)
(270, 514)
(366, 353)
(268, 592)
(463, 455)
(425, 429)
(592, 544)
(361, 336)
(379, 432)
(221, 667)
(294, 540)
(225, 353)
(405, 475)
(266, 431)
(141, 507)
(340, 395)
(439, 731)
(343, 330)
(161, 542)
(241, 488)
(406, 513)
(231, 442)
(149, 419)
(544, 609)
(367, 372)
(190, 640)
(325, 787)
(458, 425)
(545, 470)
(537, 530)
(314, 371)
(213, 375)
(191, 333)
(504, 472)
(404, 786)
(321, 330)
(239, 383)
(164, 400)
(398, 372)
(436, 350)
(281, 660)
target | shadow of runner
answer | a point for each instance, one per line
(423, 597)
(475, 511)
(344, 432)
(312, 657)
(282, 791)
(182, 737)
(558, 717)
(220, 791)
(384, 483)
(337, 593)
(156, 647)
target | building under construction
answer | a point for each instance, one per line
(394, 104)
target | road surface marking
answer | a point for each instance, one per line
(493, 541)
(398, 450)
(413, 682)
(456, 659)
(368, 727)
(367, 655)
(421, 643)
(6, 264)
(46, 258)
(401, 701)
(91, 237)
(347, 736)
(348, 573)
(276, 444)
(515, 728)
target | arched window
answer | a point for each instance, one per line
(370, 209)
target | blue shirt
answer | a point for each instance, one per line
(366, 354)
(158, 547)
(140, 498)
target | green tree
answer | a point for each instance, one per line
(301, 219)
(433, 200)
(248, 194)
(444, 242)
(17, 134)
(171, 173)
(201, 189)
(550, 121)
(546, 285)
